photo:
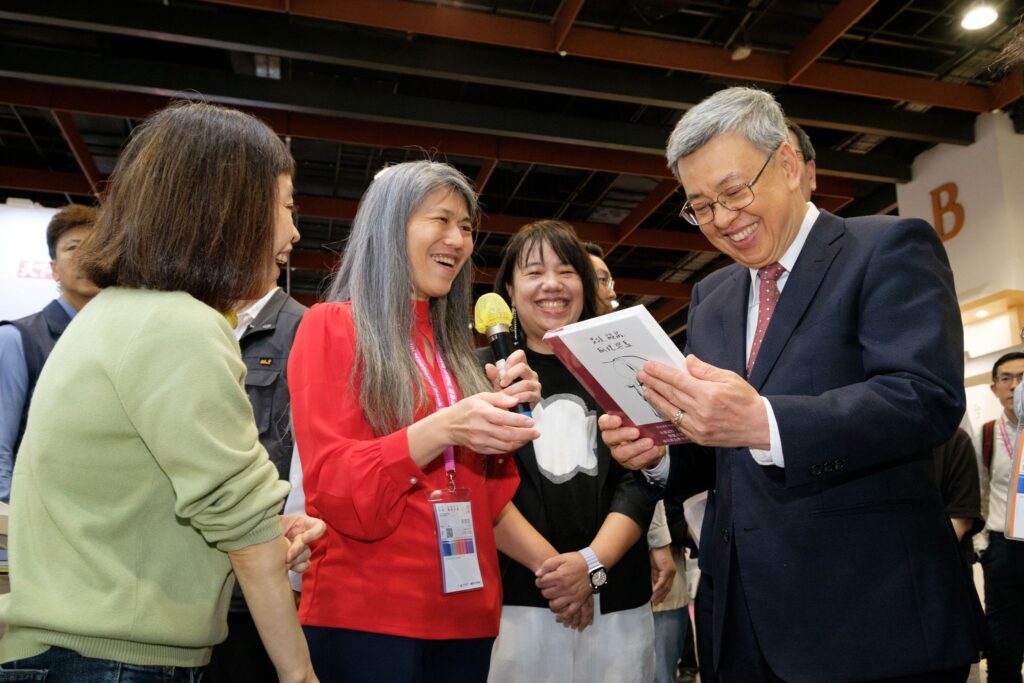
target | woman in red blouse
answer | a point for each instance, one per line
(404, 446)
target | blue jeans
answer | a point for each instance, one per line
(671, 629)
(58, 665)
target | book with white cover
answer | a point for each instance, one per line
(605, 353)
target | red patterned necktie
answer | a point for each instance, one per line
(767, 297)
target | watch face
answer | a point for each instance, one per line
(598, 578)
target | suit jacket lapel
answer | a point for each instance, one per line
(802, 285)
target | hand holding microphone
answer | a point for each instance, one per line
(510, 373)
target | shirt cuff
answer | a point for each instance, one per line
(772, 456)
(659, 473)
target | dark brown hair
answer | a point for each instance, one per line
(191, 206)
(71, 216)
(560, 237)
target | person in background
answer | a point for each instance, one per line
(805, 153)
(605, 283)
(1002, 559)
(405, 445)
(813, 404)
(142, 482)
(669, 599)
(590, 509)
(956, 471)
(265, 331)
(667, 633)
(26, 343)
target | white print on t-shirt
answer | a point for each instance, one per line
(568, 438)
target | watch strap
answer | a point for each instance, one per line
(593, 563)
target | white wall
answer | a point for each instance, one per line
(987, 255)
(26, 283)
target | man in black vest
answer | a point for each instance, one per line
(265, 331)
(26, 343)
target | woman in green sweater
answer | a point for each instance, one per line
(141, 483)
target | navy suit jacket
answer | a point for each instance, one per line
(846, 556)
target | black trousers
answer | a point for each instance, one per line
(742, 660)
(240, 658)
(1003, 566)
(340, 655)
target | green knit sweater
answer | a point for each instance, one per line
(140, 469)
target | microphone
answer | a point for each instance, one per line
(493, 318)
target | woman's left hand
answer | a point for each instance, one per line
(518, 380)
(300, 530)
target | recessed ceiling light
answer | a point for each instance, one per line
(979, 15)
(982, 313)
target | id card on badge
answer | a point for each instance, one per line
(460, 566)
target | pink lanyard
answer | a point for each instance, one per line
(453, 397)
(1005, 437)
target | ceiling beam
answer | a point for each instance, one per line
(484, 174)
(602, 233)
(669, 308)
(258, 32)
(36, 180)
(896, 87)
(647, 206)
(1009, 89)
(131, 105)
(479, 27)
(840, 20)
(596, 143)
(567, 14)
(880, 202)
(304, 259)
(73, 136)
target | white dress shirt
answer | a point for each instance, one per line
(246, 317)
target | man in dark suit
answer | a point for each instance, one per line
(826, 364)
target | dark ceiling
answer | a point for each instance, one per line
(557, 108)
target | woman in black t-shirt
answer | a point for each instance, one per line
(573, 492)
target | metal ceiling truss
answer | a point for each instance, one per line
(478, 27)
(259, 34)
(606, 140)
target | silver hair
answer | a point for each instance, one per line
(374, 275)
(752, 113)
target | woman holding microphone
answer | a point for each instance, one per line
(404, 445)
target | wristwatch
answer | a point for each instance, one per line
(598, 575)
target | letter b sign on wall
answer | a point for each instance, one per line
(947, 213)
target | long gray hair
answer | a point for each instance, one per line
(752, 113)
(374, 275)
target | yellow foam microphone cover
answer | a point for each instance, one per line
(491, 310)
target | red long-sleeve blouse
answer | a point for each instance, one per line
(378, 567)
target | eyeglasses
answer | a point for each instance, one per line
(606, 281)
(1009, 378)
(732, 199)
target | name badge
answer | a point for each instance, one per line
(460, 565)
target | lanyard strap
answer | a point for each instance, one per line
(1005, 436)
(449, 386)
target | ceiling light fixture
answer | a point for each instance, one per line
(978, 15)
(741, 52)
